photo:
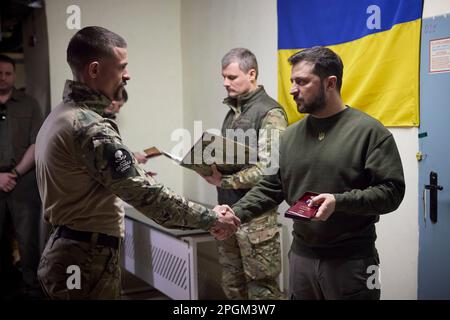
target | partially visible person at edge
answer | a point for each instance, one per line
(351, 160)
(20, 120)
(111, 112)
(251, 259)
(83, 168)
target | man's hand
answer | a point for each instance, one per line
(227, 223)
(150, 173)
(215, 178)
(140, 157)
(327, 204)
(7, 181)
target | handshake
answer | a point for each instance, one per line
(226, 224)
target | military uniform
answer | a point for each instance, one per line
(18, 132)
(251, 258)
(82, 170)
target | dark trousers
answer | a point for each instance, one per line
(333, 279)
(11, 284)
(23, 206)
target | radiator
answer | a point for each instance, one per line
(161, 260)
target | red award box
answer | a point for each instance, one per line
(300, 209)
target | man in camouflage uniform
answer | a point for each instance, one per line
(83, 169)
(251, 258)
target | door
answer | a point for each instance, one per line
(434, 160)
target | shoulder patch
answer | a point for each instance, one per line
(121, 163)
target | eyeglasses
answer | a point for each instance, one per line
(2, 112)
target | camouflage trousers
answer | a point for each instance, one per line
(71, 269)
(251, 260)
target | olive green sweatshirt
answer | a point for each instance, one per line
(350, 155)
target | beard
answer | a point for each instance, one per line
(313, 106)
(118, 95)
(109, 115)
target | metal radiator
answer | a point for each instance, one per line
(157, 258)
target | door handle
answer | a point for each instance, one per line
(434, 188)
(431, 187)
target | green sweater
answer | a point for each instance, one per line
(356, 159)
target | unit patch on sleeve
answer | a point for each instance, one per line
(121, 163)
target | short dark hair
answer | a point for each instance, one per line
(326, 63)
(243, 56)
(90, 44)
(4, 58)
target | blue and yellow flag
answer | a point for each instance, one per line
(378, 41)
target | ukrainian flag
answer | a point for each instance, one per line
(378, 41)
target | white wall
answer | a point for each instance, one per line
(435, 8)
(398, 241)
(152, 31)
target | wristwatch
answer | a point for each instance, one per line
(13, 170)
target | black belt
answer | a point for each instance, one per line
(85, 236)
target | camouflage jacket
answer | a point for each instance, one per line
(272, 125)
(86, 148)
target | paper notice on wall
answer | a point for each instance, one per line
(440, 55)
